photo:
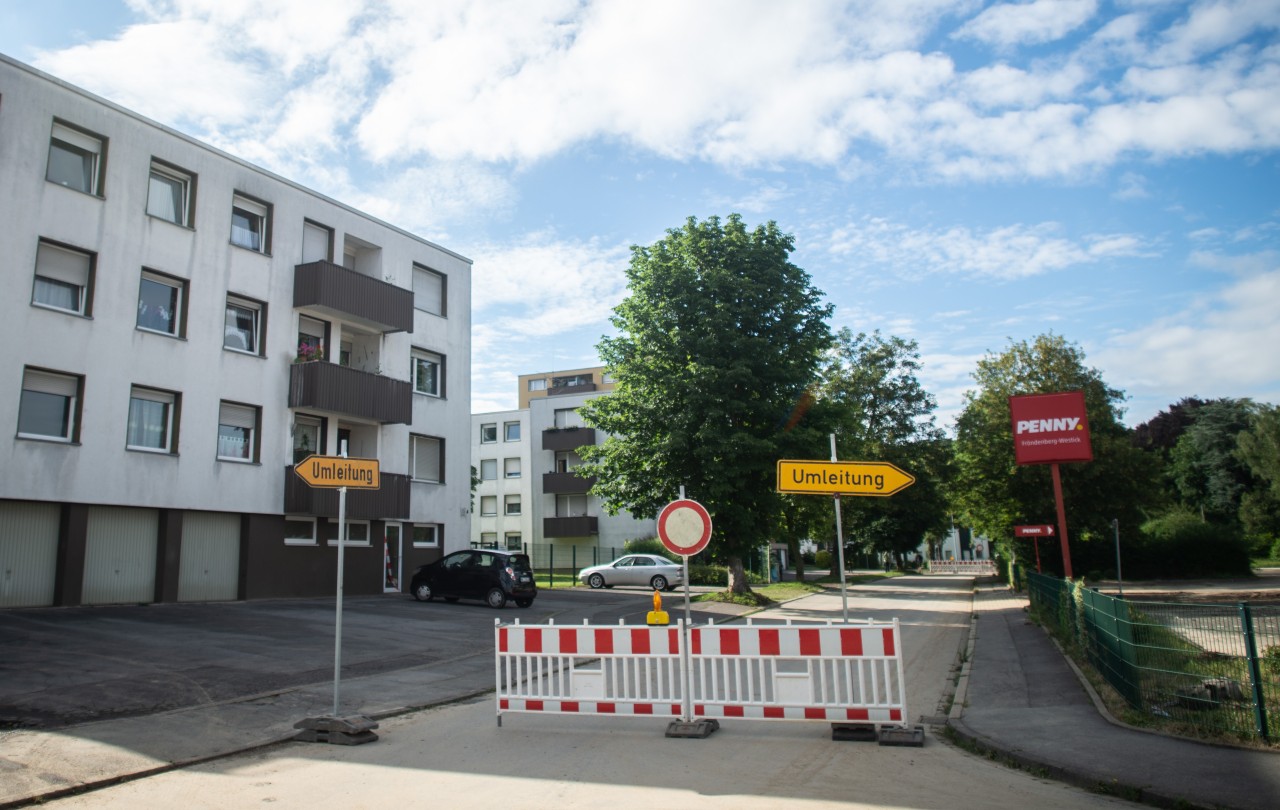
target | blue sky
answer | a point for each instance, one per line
(957, 172)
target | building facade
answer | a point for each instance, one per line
(502, 516)
(184, 329)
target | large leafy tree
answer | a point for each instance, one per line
(1209, 476)
(1259, 448)
(993, 493)
(872, 396)
(718, 339)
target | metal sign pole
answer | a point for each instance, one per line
(337, 619)
(844, 593)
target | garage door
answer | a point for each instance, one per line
(120, 556)
(28, 553)
(210, 567)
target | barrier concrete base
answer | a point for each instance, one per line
(854, 732)
(697, 729)
(355, 730)
(910, 737)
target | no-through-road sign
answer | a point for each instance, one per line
(684, 527)
(336, 471)
(875, 478)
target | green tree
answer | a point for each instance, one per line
(1259, 449)
(872, 396)
(1209, 475)
(718, 339)
(993, 494)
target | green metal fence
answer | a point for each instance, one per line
(1205, 669)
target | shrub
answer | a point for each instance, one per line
(822, 559)
(1275, 550)
(1180, 544)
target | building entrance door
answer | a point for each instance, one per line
(391, 549)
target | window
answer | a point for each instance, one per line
(489, 433)
(76, 159)
(426, 373)
(357, 533)
(237, 432)
(427, 535)
(299, 531)
(489, 469)
(511, 468)
(539, 384)
(64, 278)
(250, 220)
(161, 301)
(308, 437)
(429, 289)
(571, 381)
(171, 194)
(571, 505)
(488, 539)
(151, 420)
(488, 505)
(514, 541)
(49, 406)
(317, 242)
(511, 431)
(426, 459)
(312, 337)
(511, 505)
(242, 326)
(567, 417)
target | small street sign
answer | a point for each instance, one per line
(875, 478)
(1033, 531)
(684, 527)
(335, 471)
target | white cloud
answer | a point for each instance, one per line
(1031, 23)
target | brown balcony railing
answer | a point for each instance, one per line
(568, 438)
(391, 500)
(561, 390)
(333, 288)
(330, 387)
(570, 526)
(565, 483)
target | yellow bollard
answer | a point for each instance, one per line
(658, 616)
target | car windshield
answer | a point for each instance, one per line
(518, 562)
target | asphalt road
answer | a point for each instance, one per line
(63, 666)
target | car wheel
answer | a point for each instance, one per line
(524, 602)
(422, 592)
(496, 598)
(659, 583)
(595, 581)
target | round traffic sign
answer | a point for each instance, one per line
(684, 527)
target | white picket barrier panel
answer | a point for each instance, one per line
(974, 567)
(832, 672)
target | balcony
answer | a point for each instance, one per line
(333, 289)
(581, 526)
(575, 388)
(389, 501)
(327, 386)
(566, 483)
(570, 438)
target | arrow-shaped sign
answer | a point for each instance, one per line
(335, 471)
(876, 478)
(1033, 531)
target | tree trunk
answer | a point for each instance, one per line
(737, 577)
(793, 546)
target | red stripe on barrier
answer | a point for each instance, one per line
(733, 711)
(769, 644)
(644, 708)
(606, 708)
(815, 714)
(604, 642)
(859, 714)
(673, 641)
(675, 710)
(639, 642)
(533, 705)
(502, 639)
(730, 644)
(696, 644)
(811, 642)
(568, 642)
(895, 714)
(533, 641)
(775, 712)
(888, 642)
(851, 642)
(504, 704)
(569, 706)
(699, 710)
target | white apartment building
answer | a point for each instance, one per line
(557, 514)
(184, 327)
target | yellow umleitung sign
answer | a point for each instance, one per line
(874, 478)
(336, 471)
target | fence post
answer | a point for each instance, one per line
(573, 561)
(551, 565)
(1255, 674)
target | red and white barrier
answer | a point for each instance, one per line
(837, 673)
(972, 567)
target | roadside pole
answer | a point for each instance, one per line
(844, 590)
(337, 619)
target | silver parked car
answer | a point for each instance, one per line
(656, 572)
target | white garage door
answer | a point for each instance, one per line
(120, 556)
(28, 553)
(210, 568)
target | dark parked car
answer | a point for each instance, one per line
(488, 574)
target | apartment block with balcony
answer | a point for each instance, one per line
(186, 327)
(502, 508)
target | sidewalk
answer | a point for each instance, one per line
(1020, 700)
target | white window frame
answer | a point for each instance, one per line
(519, 541)
(430, 291)
(506, 431)
(174, 179)
(509, 501)
(488, 505)
(507, 465)
(489, 433)
(434, 530)
(538, 384)
(489, 540)
(179, 305)
(566, 418)
(421, 358)
(231, 328)
(300, 541)
(414, 472)
(245, 417)
(80, 144)
(256, 213)
(51, 383)
(167, 398)
(59, 265)
(492, 464)
(333, 541)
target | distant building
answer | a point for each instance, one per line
(183, 328)
(555, 512)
